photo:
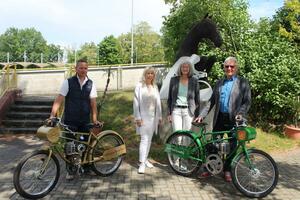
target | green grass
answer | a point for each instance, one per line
(117, 114)
(273, 142)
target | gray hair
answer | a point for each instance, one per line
(146, 70)
(191, 68)
(231, 58)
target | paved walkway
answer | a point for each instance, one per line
(157, 183)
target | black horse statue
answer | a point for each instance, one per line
(204, 29)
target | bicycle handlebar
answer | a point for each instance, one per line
(54, 121)
(240, 121)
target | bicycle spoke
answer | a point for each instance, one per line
(258, 181)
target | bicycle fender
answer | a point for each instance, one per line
(45, 147)
(106, 132)
(193, 134)
(114, 152)
(185, 132)
(239, 154)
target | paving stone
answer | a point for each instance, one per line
(158, 183)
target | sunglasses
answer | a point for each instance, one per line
(231, 66)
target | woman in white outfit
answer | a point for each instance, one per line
(147, 113)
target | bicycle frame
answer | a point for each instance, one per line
(201, 139)
(103, 152)
(56, 148)
(254, 172)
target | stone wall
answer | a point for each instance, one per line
(6, 100)
(39, 82)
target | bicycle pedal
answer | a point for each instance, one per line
(80, 171)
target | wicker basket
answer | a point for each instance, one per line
(50, 134)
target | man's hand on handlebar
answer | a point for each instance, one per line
(239, 117)
(52, 121)
(98, 124)
(198, 120)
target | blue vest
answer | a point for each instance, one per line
(77, 101)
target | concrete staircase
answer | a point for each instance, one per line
(27, 114)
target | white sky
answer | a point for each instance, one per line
(74, 22)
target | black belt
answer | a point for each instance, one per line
(224, 114)
(177, 106)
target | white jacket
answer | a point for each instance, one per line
(140, 110)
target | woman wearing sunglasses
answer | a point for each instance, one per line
(231, 97)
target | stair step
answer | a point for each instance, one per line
(34, 102)
(31, 108)
(17, 130)
(22, 123)
(27, 115)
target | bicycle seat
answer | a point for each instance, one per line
(199, 124)
(91, 125)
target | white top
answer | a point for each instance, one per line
(65, 88)
(146, 105)
(149, 97)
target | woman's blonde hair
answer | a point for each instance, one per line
(146, 70)
(191, 68)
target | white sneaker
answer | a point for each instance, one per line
(148, 164)
(142, 168)
(69, 176)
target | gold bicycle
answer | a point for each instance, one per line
(38, 172)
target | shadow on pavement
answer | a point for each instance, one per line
(157, 183)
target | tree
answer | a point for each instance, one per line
(23, 42)
(53, 53)
(125, 50)
(230, 15)
(29, 43)
(272, 65)
(89, 52)
(109, 51)
(269, 61)
(147, 45)
(288, 20)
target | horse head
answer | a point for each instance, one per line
(204, 29)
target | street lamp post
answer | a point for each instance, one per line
(131, 32)
(25, 56)
(136, 54)
(98, 57)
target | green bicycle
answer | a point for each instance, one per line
(38, 172)
(254, 172)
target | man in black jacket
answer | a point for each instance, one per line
(231, 98)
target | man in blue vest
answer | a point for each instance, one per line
(79, 93)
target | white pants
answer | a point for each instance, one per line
(181, 119)
(146, 132)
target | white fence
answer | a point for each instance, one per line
(39, 82)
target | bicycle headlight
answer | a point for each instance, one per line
(246, 134)
(241, 135)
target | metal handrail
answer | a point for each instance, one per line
(8, 78)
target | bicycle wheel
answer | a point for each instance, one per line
(106, 167)
(32, 179)
(256, 181)
(183, 165)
